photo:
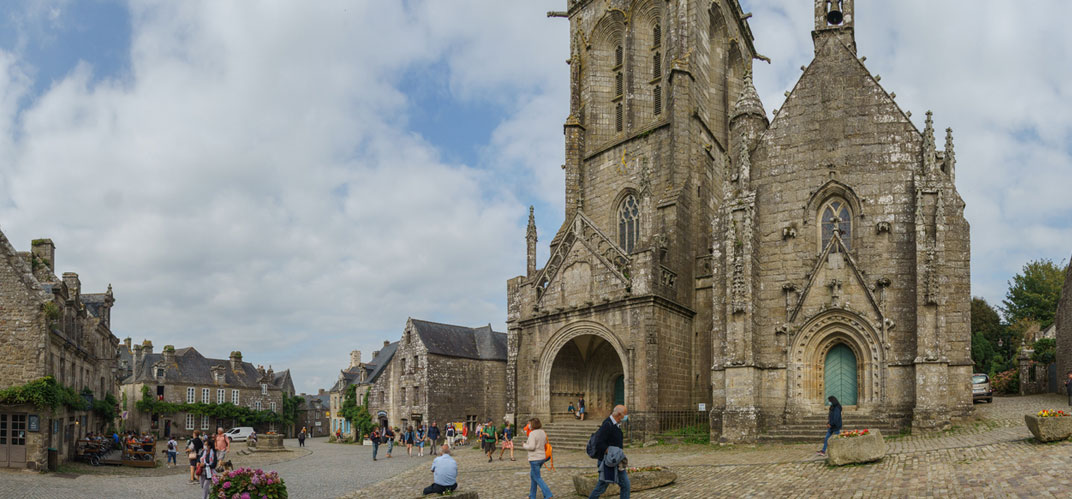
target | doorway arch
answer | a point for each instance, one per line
(582, 359)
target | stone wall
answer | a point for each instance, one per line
(1064, 331)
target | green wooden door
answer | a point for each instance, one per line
(619, 390)
(840, 375)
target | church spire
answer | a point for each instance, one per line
(748, 102)
(950, 155)
(929, 148)
(530, 243)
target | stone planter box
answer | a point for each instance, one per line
(638, 480)
(1049, 429)
(270, 443)
(855, 450)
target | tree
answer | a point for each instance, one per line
(1033, 293)
(358, 415)
(1045, 351)
(291, 407)
(992, 342)
(982, 353)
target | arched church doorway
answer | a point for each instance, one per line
(586, 366)
(840, 373)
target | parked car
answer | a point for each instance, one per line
(241, 433)
(981, 389)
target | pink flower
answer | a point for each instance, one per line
(245, 495)
(226, 485)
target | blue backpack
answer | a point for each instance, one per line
(590, 449)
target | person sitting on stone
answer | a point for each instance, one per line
(444, 473)
(573, 410)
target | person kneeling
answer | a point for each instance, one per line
(444, 473)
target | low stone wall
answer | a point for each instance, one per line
(855, 450)
(1049, 429)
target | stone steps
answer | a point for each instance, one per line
(570, 435)
(811, 429)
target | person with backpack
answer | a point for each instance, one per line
(407, 438)
(606, 446)
(375, 438)
(833, 422)
(508, 442)
(489, 439)
(536, 444)
(172, 452)
(206, 467)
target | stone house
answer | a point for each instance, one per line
(1063, 331)
(441, 372)
(711, 257)
(50, 328)
(185, 376)
(315, 414)
(357, 373)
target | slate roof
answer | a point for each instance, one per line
(93, 302)
(480, 343)
(190, 367)
(380, 361)
(325, 400)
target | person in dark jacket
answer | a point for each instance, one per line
(833, 422)
(433, 438)
(610, 435)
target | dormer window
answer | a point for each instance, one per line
(159, 372)
(264, 389)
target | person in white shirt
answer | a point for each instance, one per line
(444, 473)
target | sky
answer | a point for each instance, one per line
(296, 179)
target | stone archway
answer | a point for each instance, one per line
(811, 349)
(582, 359)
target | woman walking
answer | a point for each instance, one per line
(508, 442)
(420, 440)
(833, 422)
(537, 445)
(207, 464)
(407, 438)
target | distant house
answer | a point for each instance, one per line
(315, 413)
(185, 376)
(443, 373)
(357, 373)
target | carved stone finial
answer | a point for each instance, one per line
(531, 233)
(950, 154)
(748, 102)
(929, 148)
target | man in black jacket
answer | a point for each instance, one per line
(610, 435)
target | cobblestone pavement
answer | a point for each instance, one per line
(322, 470)
(990, 456)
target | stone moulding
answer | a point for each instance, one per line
(638, 480)
(855, 450)
(1049, 429)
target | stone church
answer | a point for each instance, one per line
(750, 263)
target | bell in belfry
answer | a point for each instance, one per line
(834, 16)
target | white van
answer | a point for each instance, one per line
(239, 433)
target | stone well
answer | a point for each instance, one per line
(638, 480)
(1049, 429)
(855, 450)
(270, 443)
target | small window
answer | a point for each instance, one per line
(657, 100)
(234, 397)
(221, 395)
(189, 421)
(656, 35)
(657, 65)
(618, 117)
(618, 55)
(628, 223)
(272, 406)
(259, 406)
(204, 422)
(264, 389)
(190, 395)
(205, 395)
(835, 216)
(159, 372)
(619, 84)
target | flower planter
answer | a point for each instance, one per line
(638, 480)
(854, 450)
(1049, 429)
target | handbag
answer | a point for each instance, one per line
(192, 455)
(200, 469)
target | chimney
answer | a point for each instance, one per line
(169, 354)
(74, 286)
(386, 342)
(355, 358)
(45, 252)
(146, 346)
(137, 358)
(127, 343)
(375, 353)
(236, 360)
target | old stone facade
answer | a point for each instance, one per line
(440, 372)
(357, 373)
(184, 376)
(712, 256)
(1063, 331)
(48, 327)
(315, 414)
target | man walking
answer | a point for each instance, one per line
(223, 444)
(433, 437)
(375, 437)
(389, 436)
(608, 448)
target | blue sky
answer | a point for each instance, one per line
(295, 180)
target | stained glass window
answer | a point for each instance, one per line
(628, 223)
(836, 214)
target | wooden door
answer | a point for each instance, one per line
(840, 375)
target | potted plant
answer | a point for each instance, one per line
(249, 483)
(1049, 425)
(856, 446)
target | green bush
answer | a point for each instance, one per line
(44, 392)
(1006, 382)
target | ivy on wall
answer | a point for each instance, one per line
(244, 416)
(44, 392)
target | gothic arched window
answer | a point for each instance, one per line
(628, 223)
(835, 214)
